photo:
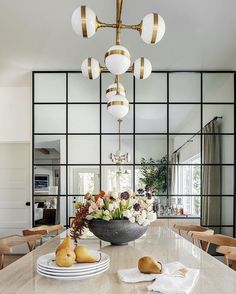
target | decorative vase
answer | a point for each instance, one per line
(117, 232)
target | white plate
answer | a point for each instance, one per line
(48, 261)
(61, 270)
(71, 274)
(72, 277)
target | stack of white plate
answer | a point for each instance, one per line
(47, 267)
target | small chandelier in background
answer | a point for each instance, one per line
(117, 59)
(118, 157)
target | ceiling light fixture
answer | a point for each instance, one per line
(117, 59)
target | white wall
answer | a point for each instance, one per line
(15, 114)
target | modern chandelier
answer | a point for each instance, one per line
(117, 59)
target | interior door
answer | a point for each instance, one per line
(14, 188)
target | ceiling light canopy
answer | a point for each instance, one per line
(117, 59)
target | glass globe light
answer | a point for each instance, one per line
(117, 60)
(112, 90)
(153, 28)
(84, 21)
(118, 106)
(142, 68)
(91, 68)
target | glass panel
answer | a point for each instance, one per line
(226, 124)
(49, 149)
(81, 89)
(117, 178)
(150, 147)
(185, 87)
(110, 124)
(184, 148)
(83, 179)
(83, 149)
(126, 80)
(185, 179)
(227, 180)
(49, 180)
(227, 211)
(185, 118)
(153, 89)
(50, 119)
(222, 149)
(152, 175)
(229, 231)
(49, 210)
(110, 144)
(218, 87)
(151, 118)
(50, 87)
(84, 118)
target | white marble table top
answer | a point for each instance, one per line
(159, 242)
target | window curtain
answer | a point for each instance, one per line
(211, 176)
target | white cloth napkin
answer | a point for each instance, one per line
(133, 275)
(169, 282)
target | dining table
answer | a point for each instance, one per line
(159, 242)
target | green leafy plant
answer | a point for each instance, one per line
(154, 174)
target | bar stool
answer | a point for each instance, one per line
(203, 241)
(229, 255)
(43, 231)
(8, 242)
(191, 229)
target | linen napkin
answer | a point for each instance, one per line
(133, 275)
(175, 279)
(170, 282)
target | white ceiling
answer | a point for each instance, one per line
(37, 35)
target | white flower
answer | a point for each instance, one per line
(110, 207)
(100, 202)
(90, 209)
(140, 219)
(89, 217)
(132, 219)
(127, 213)
(106, 212)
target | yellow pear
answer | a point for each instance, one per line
(67, 243)
(148, 265)
(65, 257)
(83, 255)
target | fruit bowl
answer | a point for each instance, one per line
(117, 232)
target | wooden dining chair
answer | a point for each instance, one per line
(8, 242)
(190, 229)
(229, 255)
(203, 240)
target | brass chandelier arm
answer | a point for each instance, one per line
(137, 27)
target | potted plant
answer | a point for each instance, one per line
(115, 218)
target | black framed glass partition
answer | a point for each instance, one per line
(179, 130)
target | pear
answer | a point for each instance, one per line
(148, 265)
(67, 243)
(83, 255)
(65, 257)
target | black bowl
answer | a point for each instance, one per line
(117, 232)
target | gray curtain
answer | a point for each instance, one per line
(211, 176)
